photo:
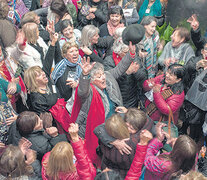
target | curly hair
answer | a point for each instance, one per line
(4, 9)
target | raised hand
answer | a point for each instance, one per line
(132, 48)
(145, 137)
(24, 145)
(159, 131)
(133, 68)
(12, 88)
(86, 65)
(52, 131)
(121, 109)
(72, 83)
(73, 131)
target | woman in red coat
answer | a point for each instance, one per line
(165, 91)
(59, 164)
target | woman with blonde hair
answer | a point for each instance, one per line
(19, 162)
(61, 163)
(42, 91)
(120, 131)
(30, 49)
(92, 45)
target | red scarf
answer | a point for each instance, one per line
(96, 116)
(116, 58)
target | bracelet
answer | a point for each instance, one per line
(132, 55)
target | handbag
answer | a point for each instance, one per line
(6, 111)
(171, 129)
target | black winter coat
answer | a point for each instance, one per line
(101, 14)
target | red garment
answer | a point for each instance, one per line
(136, 166)
(94, 119)
(175, 102)
(116, 58)
(84, 167)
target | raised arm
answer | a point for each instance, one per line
(124, 63)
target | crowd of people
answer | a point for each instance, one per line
(89, 90)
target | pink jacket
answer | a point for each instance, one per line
(84, 167)
(136, 166)
(156, 168)
(175, 102)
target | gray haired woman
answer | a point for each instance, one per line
(92, 45)
(148, 47)
(128, 81)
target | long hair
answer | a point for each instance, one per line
(116, 127)
(179, 71)
(87, 33)
(182, 156)
(12, 163)
(30, 78)
(60, 160)
(30, 31)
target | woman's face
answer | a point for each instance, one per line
(94, 39)
(204, 52)
(39, 124)
(176, 39)
(68, 32)
(115, 19)
(150, 28)
(41, 78)
(37, 19)
(100, 79)
(72, 55)
(171, 78)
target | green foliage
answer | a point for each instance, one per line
(165, 32)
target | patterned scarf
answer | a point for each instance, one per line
(150, 45)
(12, 5)
(112, 28)
(61, 67)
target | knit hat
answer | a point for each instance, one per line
(133, 33)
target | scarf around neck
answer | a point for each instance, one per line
(112, 28)
(116, 58)
(61, 67)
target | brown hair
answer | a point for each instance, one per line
(116, 127)
(28, 17)
(26, 122)
(193, 175)
(136, 118)
(4, 9)
(30, 30)
(60, 160)
(12, 163)
(67, 46)
(183, 33)
(30, 78)
(182, 156)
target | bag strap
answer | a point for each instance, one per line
(170, 118)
